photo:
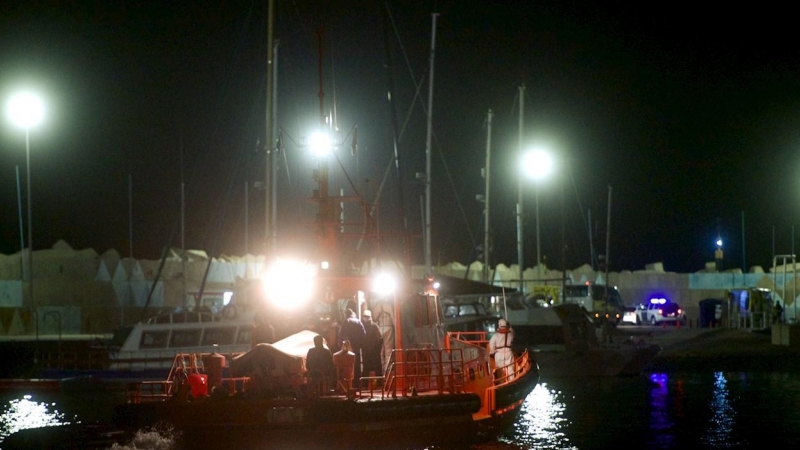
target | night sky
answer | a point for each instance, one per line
(686, 116)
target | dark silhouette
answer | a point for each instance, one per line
(353, 330)
(319, 364)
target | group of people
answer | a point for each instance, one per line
(360, 348)
(360, 353)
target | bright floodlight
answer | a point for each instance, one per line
(289, 284)
(537, 164)
(719, 242)
(320, 144)
(384, 284)
(25, 110)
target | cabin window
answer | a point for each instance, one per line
(219, 336)
(244, 335)
(185, 338)
(154, 339)
(451, 311)
(467, 310)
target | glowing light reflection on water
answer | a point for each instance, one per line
(542, 419)
(667, 411)
(23, 413)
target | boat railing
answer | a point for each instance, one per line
(419, 370)
(475, 344)
(480, 338)
(183, 366)
(521, 365)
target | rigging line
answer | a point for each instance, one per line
(393, 116)
(220, 220)
(418, 85)
(424, 109)
(453, 186)
(377, 200)
(580, 206)
(349, 180)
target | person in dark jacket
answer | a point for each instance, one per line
(353, 330)
(373, 344)
(319, 363)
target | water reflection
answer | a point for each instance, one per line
(723, 416)
(661, 421)
(23, 413)
(542, 420)
(668, 411)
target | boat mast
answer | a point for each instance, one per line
(326, 217)
(486, 176)
(274, 148)
(427, 234)
(269, 247)
(520, 246)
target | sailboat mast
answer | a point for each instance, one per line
(486, 175)
(427, 233)
(520, 246)
(269, 242)
(273, 155)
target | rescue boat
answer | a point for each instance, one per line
(436, 388)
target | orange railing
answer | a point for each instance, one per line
(419, 370)
(458, 367)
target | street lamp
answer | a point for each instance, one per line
(537, 164)
(26, 110)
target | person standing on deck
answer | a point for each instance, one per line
(373, 344)
(353, 330)
(319, 363)
(500, 348)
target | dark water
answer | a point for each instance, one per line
(660, 411)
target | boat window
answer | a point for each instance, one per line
(185, 338)
(244, 335)
(154, 339)
(467, 310)
(219, 336)
(451, 311)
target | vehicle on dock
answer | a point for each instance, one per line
(601, 301)
(660, 310)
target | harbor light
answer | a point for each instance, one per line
(320, 144)
(26, 111)
(384, 284)
(537, 164)
(289, 284)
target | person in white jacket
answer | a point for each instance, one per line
(500, 348)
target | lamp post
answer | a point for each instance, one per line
(536, 165)
(26, 110)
